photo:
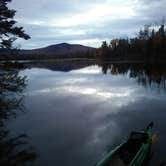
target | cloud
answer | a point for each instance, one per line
(53, 21)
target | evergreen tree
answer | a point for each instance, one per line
(105, 50)
(8, 30)
(162, 38)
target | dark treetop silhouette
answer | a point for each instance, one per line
(8, 30)
(149, 44)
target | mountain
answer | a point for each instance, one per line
(63, 48)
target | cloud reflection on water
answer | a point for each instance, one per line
(84, 113)
(104, 89)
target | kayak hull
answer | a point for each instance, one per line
(132, 152)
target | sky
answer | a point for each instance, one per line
(87, 22)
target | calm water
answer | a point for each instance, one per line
(75, 112)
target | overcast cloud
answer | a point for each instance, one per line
(87, 22)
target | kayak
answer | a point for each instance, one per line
(133, 152)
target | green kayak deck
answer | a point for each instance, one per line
(132, 152)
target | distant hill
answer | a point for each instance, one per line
(63, 48)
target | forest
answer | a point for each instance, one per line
(149, 44)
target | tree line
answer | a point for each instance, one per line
(149, 44)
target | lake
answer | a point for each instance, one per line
(74, 112)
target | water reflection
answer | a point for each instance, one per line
(14, 150)
(145, 74)
(77, 115)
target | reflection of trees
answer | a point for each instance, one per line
(13, 151)
(145, 74)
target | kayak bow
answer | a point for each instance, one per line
(132, 152)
